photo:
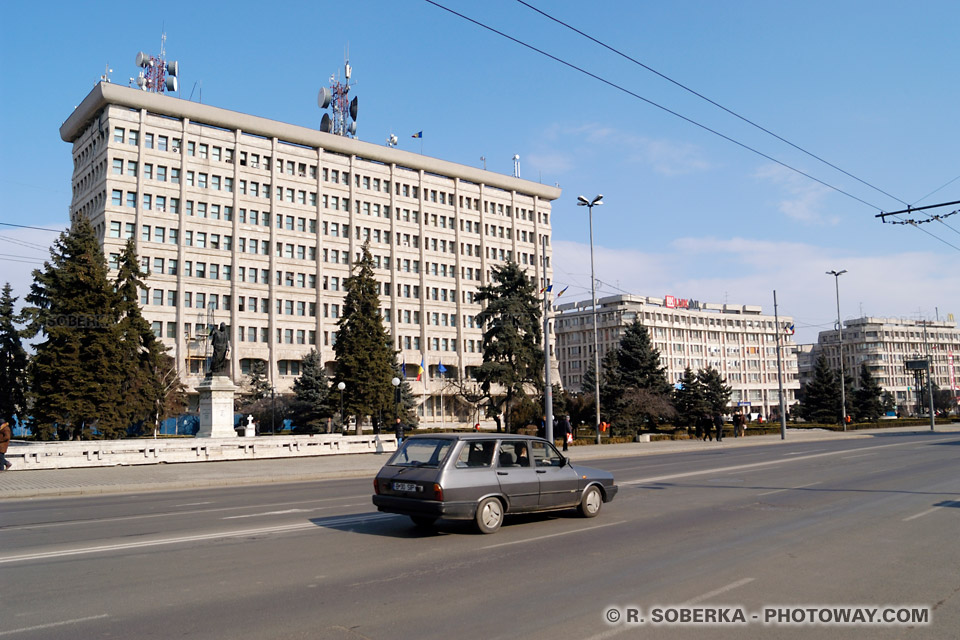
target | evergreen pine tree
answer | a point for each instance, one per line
(77, 372)
(821, 399)
(716, 392)
(366, 360)
(13, 361)
(312, 402)
(512, 355)
(690, 399)
(142, 353)
(257, 382)
(867, 405)
(646, 395)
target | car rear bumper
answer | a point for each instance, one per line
(430, 508)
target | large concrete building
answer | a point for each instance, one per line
(736, 340)
(256, 223)
(885, 344)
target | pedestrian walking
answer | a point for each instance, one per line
(399, 430)
(566, 431)
(5, 435)
(699, 429)
(737, 421)
(718, 424)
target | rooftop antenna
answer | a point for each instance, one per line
(516, 166)
(483, 159)
(392, 140)
(343, 110)
(158, 75)
(106, 74)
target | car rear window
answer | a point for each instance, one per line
(421, 452)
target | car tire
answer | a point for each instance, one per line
(423, 522)
(489, 515)
(590, 503)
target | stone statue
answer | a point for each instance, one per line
(220, 339)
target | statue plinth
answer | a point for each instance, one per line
(216, 407)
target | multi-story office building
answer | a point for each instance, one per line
(736, 340)
(885, 344)
(256, 223)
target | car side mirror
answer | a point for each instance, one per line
(564, 461)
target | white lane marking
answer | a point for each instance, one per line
(716, 592)
(802, 486)
(166, 514)
(192, 504)
(928, 512)
(803, 453)
(858, 456)
(552, 535)
(767, 463)
(50, 625)
(272, 513)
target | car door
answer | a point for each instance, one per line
(519, 480)
(559, 485)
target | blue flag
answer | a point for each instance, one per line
(441, 368)
(418, 134)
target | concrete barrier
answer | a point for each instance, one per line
(109, 453)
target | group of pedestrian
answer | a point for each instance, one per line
(707, 426)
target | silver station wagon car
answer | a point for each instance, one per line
(483, 477)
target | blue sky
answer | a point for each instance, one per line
(872, 87)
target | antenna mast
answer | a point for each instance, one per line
(158, 74)
(337, 98)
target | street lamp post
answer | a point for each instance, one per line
(396, 386)
(843, 383)
(341, 386)
(273, 411)
(590, 204)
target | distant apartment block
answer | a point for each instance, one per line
(257, 223)
(739, 341)
(885, 344)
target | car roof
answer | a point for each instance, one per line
(475, 436)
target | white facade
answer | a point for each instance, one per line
(884, 344)
(736, 340)
(257, 223)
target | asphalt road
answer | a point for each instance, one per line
(870, 523)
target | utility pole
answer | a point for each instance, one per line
(783, 412)
(547, 385)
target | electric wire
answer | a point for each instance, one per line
(651, 103)
(936, 190)
(24, 226)
(703, 97)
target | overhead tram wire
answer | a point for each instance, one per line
(653, 104)
(24, 226)
(714, 103)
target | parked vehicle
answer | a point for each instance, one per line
(484, 477)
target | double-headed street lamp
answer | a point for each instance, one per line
(843, 400)
(396, 385)
(590, 204)
(341, 386)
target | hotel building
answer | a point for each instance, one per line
(736, 340)
(257, 223)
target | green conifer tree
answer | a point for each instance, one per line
(690, 399)
(716, 392)
(366, 360)
(512, 352)
(867, 403)
(312, 404)
(77, 372)
(646, 396)
(821, 398)
(13, 361)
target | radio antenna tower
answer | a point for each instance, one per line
(158, 74)
(343, 109)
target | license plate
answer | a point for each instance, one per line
(404, 486)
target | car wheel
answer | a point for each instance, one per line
(590, 503)
(423, 522)
(489, 515)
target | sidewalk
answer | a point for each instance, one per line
(168, 477)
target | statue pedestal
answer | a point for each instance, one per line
(216, 407)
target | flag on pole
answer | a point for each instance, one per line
(441, 368)
(547, 288)
(403, 367)
(789, 329)
(420, 368)
(418, 134)
(563, 290)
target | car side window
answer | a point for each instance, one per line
(544, 455)
(477, 453)
(513, 454)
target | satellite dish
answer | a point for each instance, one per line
(325, 125)
(143, 60)
(324, 97)
(392, 140)
(353, 108)
(141, 81)
(352, 129)
(171, 83)
(173, 68)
